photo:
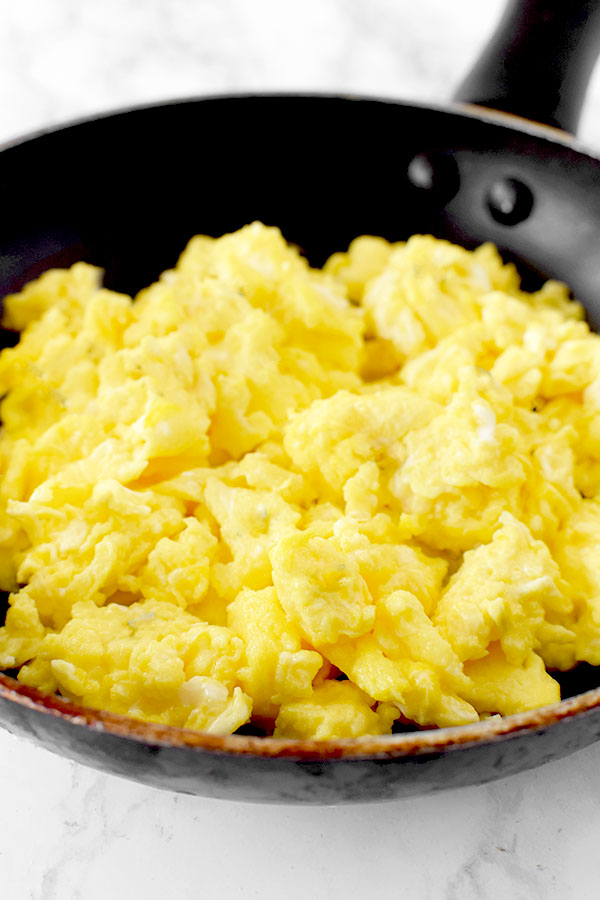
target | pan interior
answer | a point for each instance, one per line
(126, 192)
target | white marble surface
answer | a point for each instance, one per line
(72, 834)
(69, 833)
(65, 58)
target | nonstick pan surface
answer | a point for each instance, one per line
(126, 191)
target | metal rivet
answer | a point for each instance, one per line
(509, 201)
(434, 173)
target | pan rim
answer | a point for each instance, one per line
(410, 744)
(467, 111)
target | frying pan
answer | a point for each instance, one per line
(126, 191)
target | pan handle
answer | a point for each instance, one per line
(538, 62)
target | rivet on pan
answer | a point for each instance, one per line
(509, 201)
(434, 173)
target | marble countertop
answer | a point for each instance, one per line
(70, 833)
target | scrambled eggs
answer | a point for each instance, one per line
(318, 500)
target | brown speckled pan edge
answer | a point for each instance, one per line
(410, 744)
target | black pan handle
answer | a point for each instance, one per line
(538, 62)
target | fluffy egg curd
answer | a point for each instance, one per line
(317, 501)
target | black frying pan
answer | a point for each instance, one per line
(126, 191)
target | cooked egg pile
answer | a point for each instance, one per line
(315, 500)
